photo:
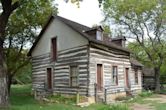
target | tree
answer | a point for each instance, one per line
(17, 38)
(18, 21)
(143, 21)
(140, 54)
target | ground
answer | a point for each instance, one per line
(154, 102)
(22, 99)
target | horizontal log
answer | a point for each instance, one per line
(71, 63)
(41, 56)
(81, 53)
(98, 56)
(111, 50)
(75, 59)
(72, 50)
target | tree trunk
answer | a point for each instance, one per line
(4, 102)
(3, 79)
(7, 9)
(157, 79)
(9, 82)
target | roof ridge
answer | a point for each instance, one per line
(69, 22)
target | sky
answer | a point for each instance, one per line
(88, 14)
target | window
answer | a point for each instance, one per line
(99, 35)
(73, 76)
(54, 48)
(136, 76)
(115, 75)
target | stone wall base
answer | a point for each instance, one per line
(91, 99)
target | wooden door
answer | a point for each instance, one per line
(127, 77)
(99, 77)
(49, 78)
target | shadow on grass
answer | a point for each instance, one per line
(21, 98)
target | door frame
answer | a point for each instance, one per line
(127, 81)
(52, 78)
(101, 75)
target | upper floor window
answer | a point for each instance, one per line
(54, 48)
(115, 75)
(136, 76)
(74, 76)
(99, 35)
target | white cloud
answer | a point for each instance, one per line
(88, 14)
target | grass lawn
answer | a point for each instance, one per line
(21, 99)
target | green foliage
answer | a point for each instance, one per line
(23, 76)
(106, 29)
(22, 28)
(140, 54)
(143, 21)
(76, 2)
(146, 94)
(163, 73)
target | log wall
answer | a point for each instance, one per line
(61, 70)
(39, 66)
(75, 56)
(86, 58)
(108, 58)
(135, 86)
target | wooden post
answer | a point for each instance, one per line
(77, 97)
(95, 92)
(105, 96)
(35, 94)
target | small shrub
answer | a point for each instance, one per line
(146, 93)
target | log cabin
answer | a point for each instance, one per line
(68, 57)
(148, 82)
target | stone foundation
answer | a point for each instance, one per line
(91, 99)
(87, 100)
(116, 95)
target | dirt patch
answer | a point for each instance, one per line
(137, 106)
(159, 98)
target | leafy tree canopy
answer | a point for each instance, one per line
(21, 30)
(144, 21)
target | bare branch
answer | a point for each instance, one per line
(14, 6)
(141, 43)
(21, 66)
